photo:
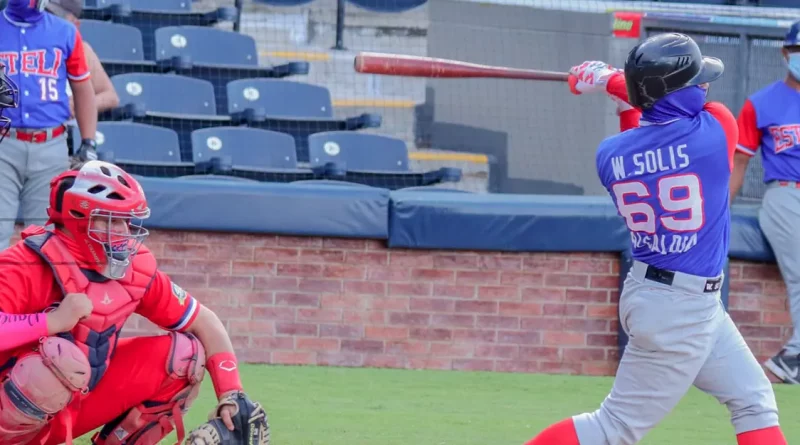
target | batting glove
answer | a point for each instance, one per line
(590, 77)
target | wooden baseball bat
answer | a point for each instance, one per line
(419, 66)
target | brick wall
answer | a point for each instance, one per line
(295, 300)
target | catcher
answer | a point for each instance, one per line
(65, 294)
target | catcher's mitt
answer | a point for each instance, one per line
(250, 424)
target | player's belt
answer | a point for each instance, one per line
(684, 281)
(792, 184)
(36, 136)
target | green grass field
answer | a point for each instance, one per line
(342, 406)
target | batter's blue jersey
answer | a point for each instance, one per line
(770, 119)
(670, 182)
(41, 58)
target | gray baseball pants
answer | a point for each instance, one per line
(779, 218)
(26, 169)
(679, 336)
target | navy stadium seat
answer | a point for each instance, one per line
(388, 5)
(297, 108)
(216, 55)
(181, 103)
(283, 2)
(113, 41)
(248, 153)
(118, 46)
(162, 5)
(138, 13)
(780, 3)
(371, 159)
(140, 149)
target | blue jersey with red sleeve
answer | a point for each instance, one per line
(41, 57)
(770, 119)
(669, 182)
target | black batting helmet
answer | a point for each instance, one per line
(665, 63)
(9, 95)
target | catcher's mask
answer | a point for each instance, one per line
(102, 207)
(9, 98)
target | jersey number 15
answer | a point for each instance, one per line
(641, 216)
(49, 89)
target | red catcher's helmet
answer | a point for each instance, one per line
(102, 207)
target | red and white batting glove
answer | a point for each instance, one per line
(596, 76)
(590, 77)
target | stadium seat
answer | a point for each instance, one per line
(370, 159)
(388, 5)
(216, 55)
(178, 102)
(118, 46)
(780, 3)
(247, 153)
(283, 2)
(138, 13)
(297, 108)
(140, 149)
(162, 5)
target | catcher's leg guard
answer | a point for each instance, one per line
(39, 386)
(152, 420)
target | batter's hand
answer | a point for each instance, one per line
(590, 77)
(72, 309)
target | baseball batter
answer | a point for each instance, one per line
(66, 292)
(42, 53)
(668, 176)
(770, 119)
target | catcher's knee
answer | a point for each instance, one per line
(39, 386)
(153, 420)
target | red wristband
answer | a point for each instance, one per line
(224, 371)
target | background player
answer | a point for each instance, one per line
(770, 119)
(106, 97)
(45, 53)
(74, 287)
(669, 180)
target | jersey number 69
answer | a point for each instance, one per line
(641, 216)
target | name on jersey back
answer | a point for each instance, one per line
(664, 211)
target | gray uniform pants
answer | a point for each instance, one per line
(679, 336)
(779, 218)
(25, 173)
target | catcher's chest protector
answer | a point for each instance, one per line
(113, 301)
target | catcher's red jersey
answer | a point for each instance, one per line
(27, 285)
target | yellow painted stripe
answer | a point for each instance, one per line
(309, 56)
(439, 156)
(383, 103)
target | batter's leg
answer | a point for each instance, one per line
(13, 160)
(733, 375)
(670, 335)
(46, 161)
(779, 219)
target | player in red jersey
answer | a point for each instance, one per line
(65, 294)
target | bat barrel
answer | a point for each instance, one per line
(429, 67)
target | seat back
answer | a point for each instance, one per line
(166, 93)
(206, 45)
(358, 151)
(284, 98)
(246, 146)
